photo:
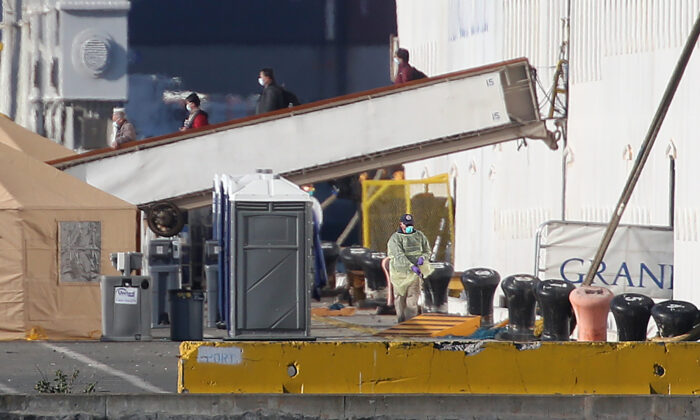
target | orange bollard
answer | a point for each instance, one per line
(591, 305)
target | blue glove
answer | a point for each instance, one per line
(415, 269)
(421, 260)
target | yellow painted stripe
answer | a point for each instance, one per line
(439, 367)
(434, 325)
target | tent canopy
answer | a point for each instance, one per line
(26, 183)
(56, 234)
(36, 146)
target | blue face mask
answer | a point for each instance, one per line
(409, 229)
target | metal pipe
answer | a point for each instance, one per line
(645, 149)
(672, 191)
(343, 236)
(9, 64)
(563, 169)
(565, 122)
(328, 201)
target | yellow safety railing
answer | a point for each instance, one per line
(430, 202)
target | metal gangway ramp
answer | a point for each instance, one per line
(326, 139)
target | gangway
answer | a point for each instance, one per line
(326, 139)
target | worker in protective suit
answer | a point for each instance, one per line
(409, 251)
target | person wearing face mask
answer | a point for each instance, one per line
(197, 118)
(272, 96)
(123, 131)
(408, 250)
(406, 72)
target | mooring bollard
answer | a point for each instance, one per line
(591, 305)
(331, 250)
(520, 293)
(553, 298)
(480, 286)
(631, 312)
(674, 317)
(435, 287)
(372, 266)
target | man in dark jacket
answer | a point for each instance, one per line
(272, 96)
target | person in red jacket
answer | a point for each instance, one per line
(406, 72)
(197, 117)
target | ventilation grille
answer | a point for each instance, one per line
(288, 206)
(252, 205)
(95, 55)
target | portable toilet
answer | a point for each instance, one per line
(271, 257)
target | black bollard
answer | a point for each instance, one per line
(351, 257)
(435, 287)
(674, 317)
(480, 286)
(520, 292)
(631, 312)
(372, 267)
(553, 298)
(331, 250)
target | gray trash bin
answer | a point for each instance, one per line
(126, 308)
(187, 310)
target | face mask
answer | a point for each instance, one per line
(396, 60)
(189, 107)
(409, 229)
(261, 81)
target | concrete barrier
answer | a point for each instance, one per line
(505, 407)
(446, 367)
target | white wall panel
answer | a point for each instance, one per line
(642, 42)
(501, 202)
(622, 54)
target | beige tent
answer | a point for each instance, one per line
(56, 234)
(19, 138)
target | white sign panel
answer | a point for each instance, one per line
(639, 259)
(220, 355)
(126, 295)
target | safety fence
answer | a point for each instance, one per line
(428, 200)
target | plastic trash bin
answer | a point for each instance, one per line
(126, 308)
(187, 314)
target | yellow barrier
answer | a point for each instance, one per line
(439, 367)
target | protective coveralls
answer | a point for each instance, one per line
(404, 249)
